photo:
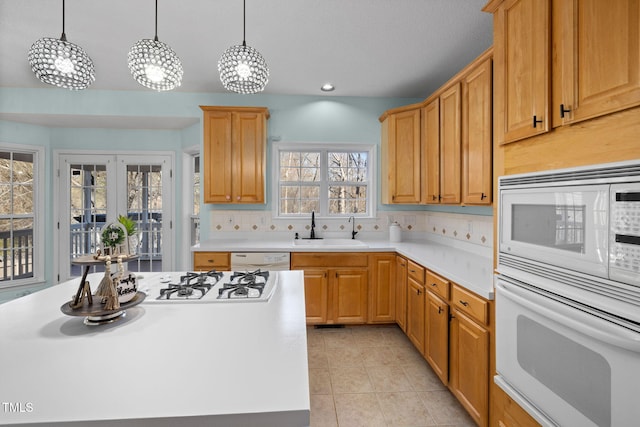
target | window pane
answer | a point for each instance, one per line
(22, 199)
(22, 168)
(310, 174)
(289, 174)
(289, 206)
(5, 199)
(310, 159)
(289, 158)
(347, 199)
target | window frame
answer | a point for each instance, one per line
(324, 149)
(39, 191)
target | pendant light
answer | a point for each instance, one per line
(154, 64)
(60, 63)
(242, 69)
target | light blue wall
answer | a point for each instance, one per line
(293, 118)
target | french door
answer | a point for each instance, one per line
(95, 189)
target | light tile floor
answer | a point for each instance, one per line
(373, 376)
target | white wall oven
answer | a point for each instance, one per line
(568, 294)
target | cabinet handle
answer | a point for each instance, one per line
(464, 303)
(393, 197)
(483, 196)
(418, 291)
(413, 271)
(535, 121)
(238, 198)
(210, 261)
(563, 111)
(434, 284)
(434, 197)
(439, 309)
(228, 197)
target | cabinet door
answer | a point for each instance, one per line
(431, 152)
(437, 336)
(401, 292)
(521, 53)
(477, 123)
(382, 291)
(217, 157)
(249, 157)
(316, 295)
(450, 145)
(598, 71)
(404, 157)
(349, 288)
(415, 314)
(469, 370)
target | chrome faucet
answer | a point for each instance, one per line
(313, 225)
(353, 229)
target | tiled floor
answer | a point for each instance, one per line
(373, 376)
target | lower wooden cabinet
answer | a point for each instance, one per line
(469, 370)
(401, 292)
(505, 412)
(382, 291)
(336, 286)
(415, 313)
(316, 295)
(437, 335)
(206, 261)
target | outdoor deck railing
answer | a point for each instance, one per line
(16, 264)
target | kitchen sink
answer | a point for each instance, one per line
(330, 243)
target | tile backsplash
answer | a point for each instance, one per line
(416, 225)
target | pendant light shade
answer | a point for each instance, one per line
(154, 64)
(60, 63)
(242, 68)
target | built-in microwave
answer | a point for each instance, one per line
(585, 221)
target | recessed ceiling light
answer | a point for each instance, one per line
(327, 87)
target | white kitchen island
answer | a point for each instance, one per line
(174, 364)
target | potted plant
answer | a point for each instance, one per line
(113, 236)
(132, 230)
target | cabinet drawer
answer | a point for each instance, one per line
(323, 259)
(471, 304)
(211, 260)
(438, 285)
(415, 271)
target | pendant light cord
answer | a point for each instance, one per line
(63, 37)
(156, 36)
(244, 23)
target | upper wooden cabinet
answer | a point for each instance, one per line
(450, 145)
(234, 154)
(431, 152)
(401, 157)
(440, 151)
(597, 44)
(477, 135)
(559, 62)
(521, 56)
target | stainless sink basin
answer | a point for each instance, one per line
(330, 243)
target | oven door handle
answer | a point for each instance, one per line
(589, 325)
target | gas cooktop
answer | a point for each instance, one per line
(209, 287)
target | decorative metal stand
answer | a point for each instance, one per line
(92, 306)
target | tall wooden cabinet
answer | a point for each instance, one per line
(401, 156)
(234, 154)
(431, 152)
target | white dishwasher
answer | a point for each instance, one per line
(264, 261)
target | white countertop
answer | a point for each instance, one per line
(238, 364)
(468, 269)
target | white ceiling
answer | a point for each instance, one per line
(377, 48)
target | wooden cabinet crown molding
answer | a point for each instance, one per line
(231, 109)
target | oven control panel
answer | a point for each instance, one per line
(624, 235)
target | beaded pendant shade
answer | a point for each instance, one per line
(154, 64)
(61, 63)
(242, 68)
